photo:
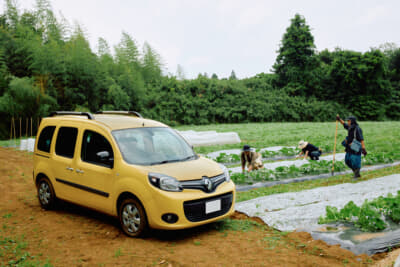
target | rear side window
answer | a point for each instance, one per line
(45, 137)
(66, 139)
(94, 143)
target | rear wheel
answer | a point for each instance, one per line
(46, 195)
(132, 218)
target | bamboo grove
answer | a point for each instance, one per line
(46, 64)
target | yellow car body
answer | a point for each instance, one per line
(170, 194)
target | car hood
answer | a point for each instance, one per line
(188, 170)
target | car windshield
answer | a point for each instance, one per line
(151, 146)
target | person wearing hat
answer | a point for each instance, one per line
(354, 144)
(252, 158)
(309, 150)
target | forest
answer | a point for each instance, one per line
(46, 65)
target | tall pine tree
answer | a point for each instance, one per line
(296, 59)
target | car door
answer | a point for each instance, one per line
(95, 170)
(64, 161)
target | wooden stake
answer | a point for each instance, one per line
(11, 129)
(31, 127)
(15, 134)
(334, 150)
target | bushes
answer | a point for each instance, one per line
(205, 101)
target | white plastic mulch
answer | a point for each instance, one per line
(301, 210)
(208, 138)
(215, 154)
(275, 148)
(287, 163)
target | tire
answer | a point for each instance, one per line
(132, 218)
(46, 195)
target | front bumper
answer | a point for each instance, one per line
(190, 207)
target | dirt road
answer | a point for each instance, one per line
(75, 236)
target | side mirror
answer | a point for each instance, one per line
(104, 157)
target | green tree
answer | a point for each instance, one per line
(296, 62)
(180, 72)
(233, 75)
(82, 74)
(151, 64)
(129, 70)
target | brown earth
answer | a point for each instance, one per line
(75, 236)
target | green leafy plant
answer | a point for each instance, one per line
(227, 158)
(370, 217)
(284, 172)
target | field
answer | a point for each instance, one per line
(75, 236)
(379, 136)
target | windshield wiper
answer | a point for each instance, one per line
(187, 158)
(165, 161)
(173, 160)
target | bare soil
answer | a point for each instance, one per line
(76, 236)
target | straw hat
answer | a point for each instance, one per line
(302, 144)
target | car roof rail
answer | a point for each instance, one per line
(88, 114)
(120, 112)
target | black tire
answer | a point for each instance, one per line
(46, 194)
(132, 218)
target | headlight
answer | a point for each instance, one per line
(226, 172)
(165, 182)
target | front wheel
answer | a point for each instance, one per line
(46, 195)
(132, 218)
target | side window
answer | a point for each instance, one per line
(96, 149)
(45, 137)
(66, 139)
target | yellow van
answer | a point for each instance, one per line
(137, 169)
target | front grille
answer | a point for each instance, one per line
(195, 210)
(202, 185)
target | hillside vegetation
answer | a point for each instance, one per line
(46, 64)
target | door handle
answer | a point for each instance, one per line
(70, 169)
(79, 171)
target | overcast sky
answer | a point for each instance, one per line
(218, 36)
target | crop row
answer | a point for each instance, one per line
(371, 216)
(311, 168)
(233, 158)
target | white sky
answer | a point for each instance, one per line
(218, 36)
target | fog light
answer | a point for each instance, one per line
(170, 218)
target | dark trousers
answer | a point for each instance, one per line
(314, 155)
(353, 161)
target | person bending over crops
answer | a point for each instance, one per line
(310, 150)
(354, 144)
(253, 159)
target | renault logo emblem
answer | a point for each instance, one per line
(207, 183)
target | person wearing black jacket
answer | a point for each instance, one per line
(309, 149)
(353, 155)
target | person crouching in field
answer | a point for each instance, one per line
(253, 159)
(309, 150)
(354, 144)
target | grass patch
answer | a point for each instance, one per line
(296, 187)
(236, 225)
(13, 252)
(7, 215)
(118, 253)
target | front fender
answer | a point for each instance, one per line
(135, 186)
